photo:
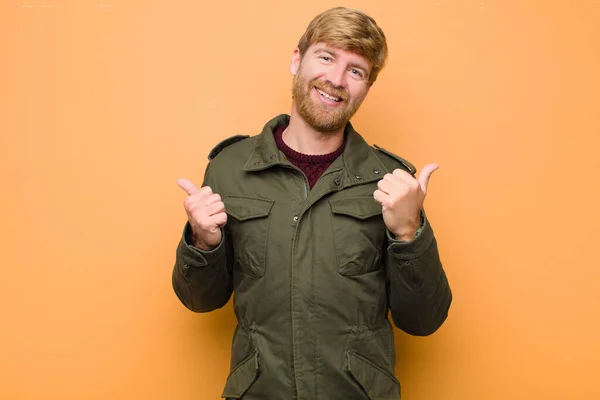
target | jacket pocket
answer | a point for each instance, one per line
(249, 227)
(377, 383)
(358, 234)
(242, 377)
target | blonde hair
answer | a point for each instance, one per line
(350, 30)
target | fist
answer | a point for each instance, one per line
(206, 214)
(401, 197)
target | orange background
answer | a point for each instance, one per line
(104, 104)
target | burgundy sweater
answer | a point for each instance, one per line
(313, 166)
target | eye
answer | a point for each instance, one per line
(356, 73)
(325, 58)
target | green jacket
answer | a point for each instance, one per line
(313, 273)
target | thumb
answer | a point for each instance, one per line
(425, 175)
(188, 186)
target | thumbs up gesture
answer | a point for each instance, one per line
(401, 197)
(206, 213)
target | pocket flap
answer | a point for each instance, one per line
(357, 207)
(376, 382)
(242, 377)
(244, 208)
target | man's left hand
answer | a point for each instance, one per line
(401, 197)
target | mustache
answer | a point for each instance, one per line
(329, 88)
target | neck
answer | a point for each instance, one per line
(304, 139)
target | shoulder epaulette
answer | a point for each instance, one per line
(411, 168)
(224, 143)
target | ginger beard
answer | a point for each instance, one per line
(323, 118)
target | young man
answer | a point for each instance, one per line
(316, 233)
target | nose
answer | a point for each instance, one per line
(337, 76)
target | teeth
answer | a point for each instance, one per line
(328, 96)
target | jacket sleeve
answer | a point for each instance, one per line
(202, 280)
(418, 292)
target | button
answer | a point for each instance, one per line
(337, 181)
(358, 177)
(377, 171)
(272, 158)
(257, 163)
(296, 218)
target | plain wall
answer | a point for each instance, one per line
(104, 104)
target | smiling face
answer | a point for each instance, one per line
(330, 84)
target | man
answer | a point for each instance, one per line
(316, 233)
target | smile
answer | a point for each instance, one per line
(327, 96)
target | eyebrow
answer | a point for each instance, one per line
(333, 53)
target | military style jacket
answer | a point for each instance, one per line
(314, 273)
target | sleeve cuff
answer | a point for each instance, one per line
(404, 250)
(195, 257)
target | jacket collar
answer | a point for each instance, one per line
(265, 153)
(358, 163)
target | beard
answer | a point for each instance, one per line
(324, 119)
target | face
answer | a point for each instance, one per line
(330, 84)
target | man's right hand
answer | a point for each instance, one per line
(206, 213)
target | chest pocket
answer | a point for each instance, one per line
(249, 227)
(358, 234)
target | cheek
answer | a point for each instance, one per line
(357, 93)
(312, 72)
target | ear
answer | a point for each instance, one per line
(295, 62)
